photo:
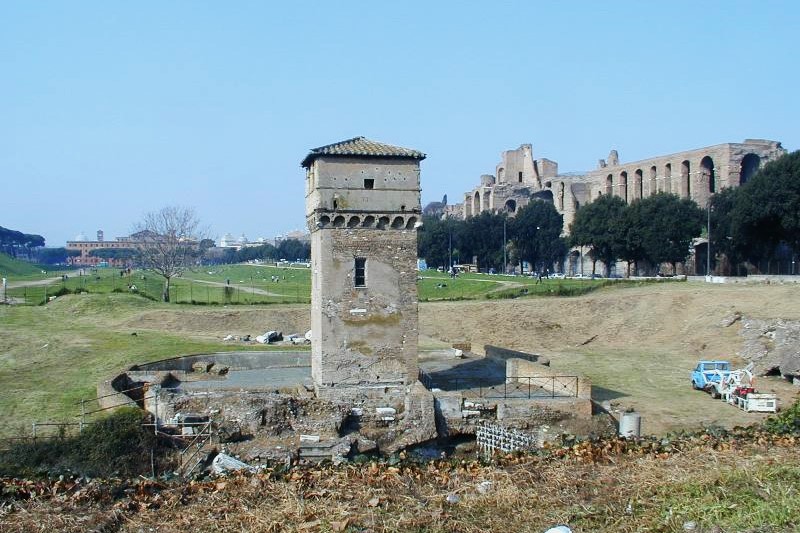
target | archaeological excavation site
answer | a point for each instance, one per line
(364, 387)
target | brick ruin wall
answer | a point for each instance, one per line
(371, 333)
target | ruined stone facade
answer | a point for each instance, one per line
(519, 179)
(363, 209)
(695, 174)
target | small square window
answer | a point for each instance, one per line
(369, 183)
(360, 277)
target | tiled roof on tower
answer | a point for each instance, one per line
(363, 147)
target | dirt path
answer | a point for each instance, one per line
(244, 288)
(30, 283)
(36, 282)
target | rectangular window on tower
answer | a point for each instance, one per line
(520, 177)
(369, 183)
(361, 272)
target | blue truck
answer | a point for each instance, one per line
(707, 376)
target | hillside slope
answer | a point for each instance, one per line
(14, 267)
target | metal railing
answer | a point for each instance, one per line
(523, 387)
(190, 456)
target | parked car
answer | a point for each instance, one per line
(557, 275)
(709, 375)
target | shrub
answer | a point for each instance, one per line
(785, 423)
(115, 445)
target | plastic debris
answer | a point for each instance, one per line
(223, 463)
(270, 336)
(485, 487)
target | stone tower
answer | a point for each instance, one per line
(363, 211)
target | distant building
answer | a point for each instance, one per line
(130, 242)
(86, 247)
(695, 174)
(229, 241)
(297, 235)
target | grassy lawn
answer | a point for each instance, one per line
(53, 356)
(13, 267)
(261, 284)
(435, 286)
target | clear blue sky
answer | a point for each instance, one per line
(112, 109)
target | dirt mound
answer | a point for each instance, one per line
(678, 315)
(217, 322)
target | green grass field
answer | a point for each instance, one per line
(262, 284)
(10, 267)
(53, 356)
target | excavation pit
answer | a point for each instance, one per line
(256, 371)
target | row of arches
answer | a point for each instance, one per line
(369, 221)
(683, 186)
(475, 204)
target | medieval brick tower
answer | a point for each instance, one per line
(363, 211)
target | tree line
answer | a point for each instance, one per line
(288, 249)
(16, 243)
(647, 232)
(758, 224)
(495, 240)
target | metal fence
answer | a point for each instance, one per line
(491, 439)
(522, 387)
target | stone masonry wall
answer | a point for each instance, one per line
(682, 173)
(369, 335)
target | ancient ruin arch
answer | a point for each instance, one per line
(353, 222)
(476, 204)
(686, 180)
(707, 171)
(668, 177)
(638, 185)
(610, 184)
(750, 165)
(324, 220)
(338, 222)
(623, 185)
(511, 206)
(653, 180)
(411, 222)
(501, 175)
(368, 222)
(383, 222)
(398, 223)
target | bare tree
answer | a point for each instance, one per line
(167, 242)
